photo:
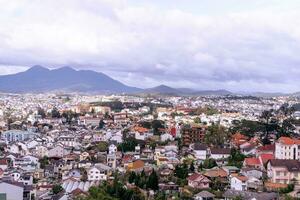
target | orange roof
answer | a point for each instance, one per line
(252, 161)
(215, 173)
(239, 136)
(288, 140)
(140, 129)
(241, 178)
(275, 185)
(265, 157)
(138, 164)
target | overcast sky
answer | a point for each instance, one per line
(239, 45)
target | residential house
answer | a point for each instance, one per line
(198, 181)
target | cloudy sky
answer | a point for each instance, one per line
(239, 45)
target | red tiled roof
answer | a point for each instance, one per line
(288, 140)
(268, 147)
(266, 157)
(3, 162)
(252, 161)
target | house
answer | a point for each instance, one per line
(220, 155)
(57, 152)
(265, 157)
(136, 166)
(252, 162)
(237, 139)
(238, 182)
(141, 133)
(266, 149)
(166, 137)
(168, 188)
(11, 190)
(200, 151)
(252, 172)
(246, 195)
(287, 148)
(17, 135)
(3, 164)
(283, 171)
(198, 181)
(204, 195)
(99, 172)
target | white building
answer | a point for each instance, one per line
(17, 135)
(99, 172)
(238, 183)
(287, 148)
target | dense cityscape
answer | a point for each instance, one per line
(72, 146)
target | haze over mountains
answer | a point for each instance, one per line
(67, 79)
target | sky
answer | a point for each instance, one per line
(238, 45)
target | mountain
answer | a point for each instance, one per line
(41, 79)
(161, 89)
(166, 90)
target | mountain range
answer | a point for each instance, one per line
(66, 79)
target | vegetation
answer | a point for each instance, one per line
(216, 135)
(236, 158)
(128, 145)
(209, 163)
(56, 189)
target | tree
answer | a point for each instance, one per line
(236, 158)
(152, 182)
(216, 135)
(132, 177)
(209, 163)
(197, 120)
(101, 124)
(192, 167)
(43, 162)
(56, 189)
(55, 113)
(181, 171)
(102, 146)
(156, 125)
(41, 112)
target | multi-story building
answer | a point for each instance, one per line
(287, 148)
(17, 135)
(284, 171)
(193, 134)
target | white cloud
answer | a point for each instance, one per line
(144, 44)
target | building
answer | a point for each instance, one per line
(17, 135)
(238, 182)
(287, 148)
(198, 181)
(193, 134)
(99, 172)
(10, 191)
(200, 151)
(283, 171)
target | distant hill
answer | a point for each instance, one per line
(166, 90)
(67, 79)
(161, 89)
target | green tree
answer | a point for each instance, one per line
(216, 135)
(197, 120)
(209, 163)
(236, 158)
(102, 146)
(44, 162)
(55, 113)
(152, 182)
(101, 124)
(57, 189)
